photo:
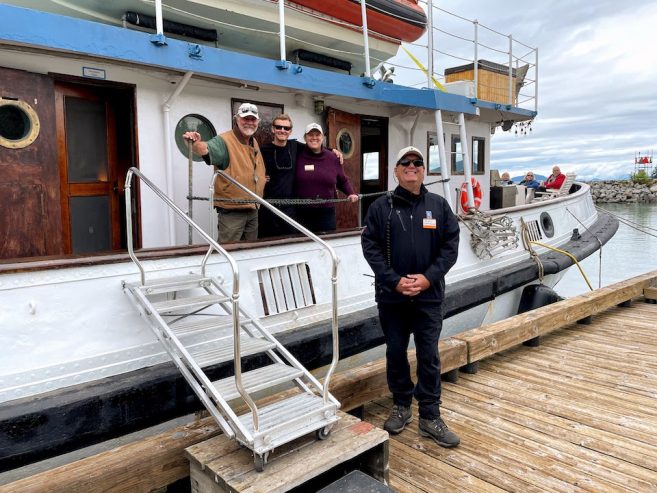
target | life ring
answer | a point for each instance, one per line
(476, 190)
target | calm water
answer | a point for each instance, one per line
(628, 254)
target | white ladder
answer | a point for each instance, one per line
(178, 308)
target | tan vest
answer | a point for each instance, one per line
(247, 167)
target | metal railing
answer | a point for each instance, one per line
(214, 246)
(316, 239)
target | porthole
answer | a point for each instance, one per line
(547, 225)
(193, 123)
(19, 124)
(345, 143)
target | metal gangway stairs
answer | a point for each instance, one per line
(176, 307)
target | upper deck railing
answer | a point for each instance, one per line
(455, 54)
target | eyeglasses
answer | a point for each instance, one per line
(529, 174)
(407, 162)
(282, 127)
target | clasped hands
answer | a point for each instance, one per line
(412, 284)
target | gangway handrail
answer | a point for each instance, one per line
(316, 239)
(213, 246)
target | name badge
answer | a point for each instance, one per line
(428, 223)
(309, 167)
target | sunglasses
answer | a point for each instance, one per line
(407, 162)
(282, 127)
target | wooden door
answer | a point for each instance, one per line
(88, 169)
(344, 134)
(29, 186)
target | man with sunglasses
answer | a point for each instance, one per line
(237, 152)
(280, 158)
(410, 241)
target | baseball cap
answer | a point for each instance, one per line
(247, 109)
(408, 150)
(313, 126)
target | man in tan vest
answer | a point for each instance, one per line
(237, 153)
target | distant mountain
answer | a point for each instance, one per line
(518, 179)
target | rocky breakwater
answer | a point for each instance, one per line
(623, 191)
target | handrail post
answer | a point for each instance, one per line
(366, 42)
(442, 155)
(281, 21)
(430, 43)
(467, 163)
(511, 69)
(476, 59)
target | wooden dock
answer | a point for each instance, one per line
(577, 413)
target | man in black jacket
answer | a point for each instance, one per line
(411, 240)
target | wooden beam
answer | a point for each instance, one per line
(158, 461)
(492, 338)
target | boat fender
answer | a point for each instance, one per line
(535, 296)
(476, 190)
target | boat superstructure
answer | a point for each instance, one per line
(86, 98)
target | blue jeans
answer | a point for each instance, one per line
(424, 321)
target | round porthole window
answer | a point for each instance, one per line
(345, 142)
(547, 225)
(19, 124)
(193, 123)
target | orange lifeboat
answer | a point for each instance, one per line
(404, 20)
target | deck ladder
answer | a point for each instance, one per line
(181, 309)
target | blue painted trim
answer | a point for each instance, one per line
(51, 32)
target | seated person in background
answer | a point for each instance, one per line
(506, 179)
(554, 181)
(529, 181)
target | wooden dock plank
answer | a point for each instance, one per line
(495, 337)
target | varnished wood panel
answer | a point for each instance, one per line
(31, 171)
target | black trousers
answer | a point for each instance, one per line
(424, 321)
(269, 224)
(317, 219)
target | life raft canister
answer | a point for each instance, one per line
(476, 190)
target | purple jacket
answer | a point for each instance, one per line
(318, 175)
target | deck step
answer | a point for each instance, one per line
(256, 380)
(172, 284)
(188, 303)
(205, 323)
(222, 350)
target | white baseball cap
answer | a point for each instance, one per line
(408, 150)
(247, 109)
(313, 126)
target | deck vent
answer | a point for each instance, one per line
(534, 231)
(285, 288)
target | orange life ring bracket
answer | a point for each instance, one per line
(476, 190)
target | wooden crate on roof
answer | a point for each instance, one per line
(493, 81)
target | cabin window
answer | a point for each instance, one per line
(86, 141)
(457, 155)
(19, 124)
(345, 142)
(193, 123)
(285, 288)
(478, 155)
(371, 166)
(90, 230)
(433, 153)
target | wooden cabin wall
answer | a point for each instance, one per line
(30, 222)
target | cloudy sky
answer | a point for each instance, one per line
(597, 80)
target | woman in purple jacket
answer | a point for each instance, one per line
(318, 174)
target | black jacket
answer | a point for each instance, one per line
(396, 242)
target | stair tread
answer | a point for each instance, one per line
(259, 379)
(188, 302)
(214, 322)
(171, 284)
(291, 408)
(222, 350)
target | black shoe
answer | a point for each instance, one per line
(400, 416)
(437, 430)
